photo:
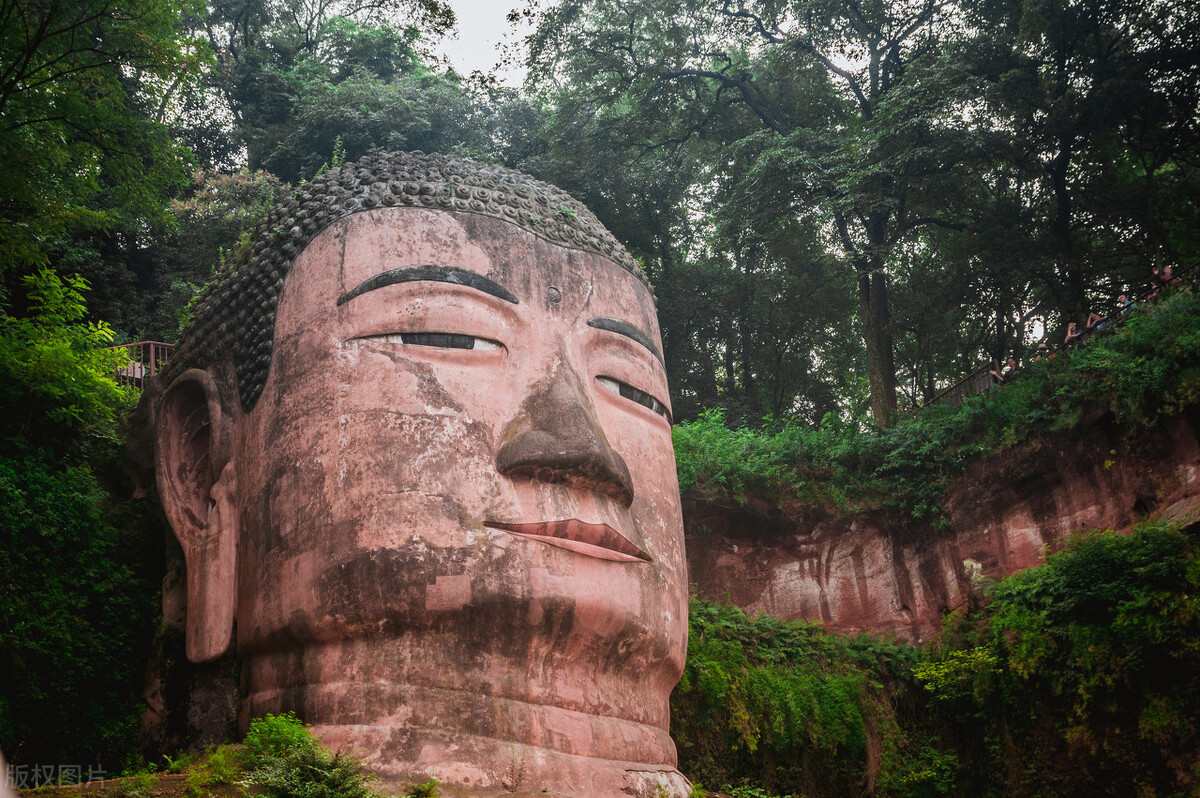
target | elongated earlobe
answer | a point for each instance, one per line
(197, 481)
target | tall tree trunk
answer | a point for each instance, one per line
(873, 313)
(731, 386)
(1060, 229)
(746, 329)
(877, 335)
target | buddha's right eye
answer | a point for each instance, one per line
(437, 339)
(635, 395)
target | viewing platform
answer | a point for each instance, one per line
(145, 360)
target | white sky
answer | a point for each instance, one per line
(481, 29)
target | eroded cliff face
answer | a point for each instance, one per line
(882, 571)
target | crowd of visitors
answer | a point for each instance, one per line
(1164, 278)
(1097, 321)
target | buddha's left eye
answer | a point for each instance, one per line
(437, 339)
(635, 395)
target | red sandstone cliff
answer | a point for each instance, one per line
(882, 571)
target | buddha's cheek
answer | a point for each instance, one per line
(416, 479)
(352, 546)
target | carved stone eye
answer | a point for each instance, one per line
(634, 395)
(437, 340)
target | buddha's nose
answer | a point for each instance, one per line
(557, 438)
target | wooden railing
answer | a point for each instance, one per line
(145, 360)
(973, 384)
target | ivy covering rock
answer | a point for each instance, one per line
(1075, 678)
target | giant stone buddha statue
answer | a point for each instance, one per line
(416, 447)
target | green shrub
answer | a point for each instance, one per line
(424, 789)
(1079, 677)
(224, 764)
(711, 455)
(287, 761)
(140, 785)
(178, 764)
(276, 736)
(747, 791)
(215, 767)
(775, 704)
(57, 388)
(75, 615)
(76, 607)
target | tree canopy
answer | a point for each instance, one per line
(967, 169)
(845, 206)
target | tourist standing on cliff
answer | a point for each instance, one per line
(1006, 374)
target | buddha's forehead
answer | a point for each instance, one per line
(537, 271)
(377, 241)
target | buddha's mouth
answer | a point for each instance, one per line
(594, 540)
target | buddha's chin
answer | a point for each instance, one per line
(571, 716)
(517, 647)
(594, 639)
(594, 653)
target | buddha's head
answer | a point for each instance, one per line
(416, 447)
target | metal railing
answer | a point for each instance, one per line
(146, 358)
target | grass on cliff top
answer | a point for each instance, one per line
(1079, 677)
(1147, 368)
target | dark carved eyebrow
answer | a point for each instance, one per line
(433, 273)
(629, 331)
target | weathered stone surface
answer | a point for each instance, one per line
(1008, 509)
(872, 572)
(883, 572)
(464, 561)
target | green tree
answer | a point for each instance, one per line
(839, 106)
(213, 217)
(58, 389)
(1093, 103)
(83, 90)
(420, 110)
(281, 64)
(75, 611)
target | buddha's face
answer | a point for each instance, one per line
(459, 475)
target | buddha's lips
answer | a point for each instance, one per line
(594, 540)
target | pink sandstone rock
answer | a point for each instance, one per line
(869, 572)
(884, 572)
(460, 561)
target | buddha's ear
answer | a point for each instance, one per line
(197, 482)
